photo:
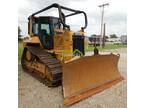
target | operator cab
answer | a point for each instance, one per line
(43, 27)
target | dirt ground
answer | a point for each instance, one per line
(33, 94)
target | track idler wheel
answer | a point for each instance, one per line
(29, 56)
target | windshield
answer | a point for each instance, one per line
(45, 27)
(37, 28)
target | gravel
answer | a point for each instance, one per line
(33, 94)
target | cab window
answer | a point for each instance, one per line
(35, 28)
(45, 27)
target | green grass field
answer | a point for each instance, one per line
(90, 48)
(20, 49)
(107, 47)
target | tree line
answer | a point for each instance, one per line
(19, 33)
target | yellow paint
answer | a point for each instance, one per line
(34, 39)
(30, 27)
(68, 45)
(58, 40)
(63, 44)
(28, 55)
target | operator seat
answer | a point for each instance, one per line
(45, 39)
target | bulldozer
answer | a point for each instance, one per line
(55, 55)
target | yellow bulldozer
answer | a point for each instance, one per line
(55, 55)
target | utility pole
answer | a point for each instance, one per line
(102, 6)
(103, 39)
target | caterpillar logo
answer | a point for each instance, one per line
(77, 52)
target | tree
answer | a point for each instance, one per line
(106, 37)
(93, 39)
(93, 36)
(19, 33)
(113, 36)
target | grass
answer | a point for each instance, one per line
(107, 47)
(90, 48)
(20, 49)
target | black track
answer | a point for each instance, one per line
(53, 65)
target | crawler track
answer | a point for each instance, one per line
(43, 66)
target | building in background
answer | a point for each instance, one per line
(95, 39)
(113, 40)
(123, 39)
(116, 40)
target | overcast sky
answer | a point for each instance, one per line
(115, 15)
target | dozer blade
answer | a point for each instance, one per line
(89, 75)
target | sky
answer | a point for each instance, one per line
(115, 15)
